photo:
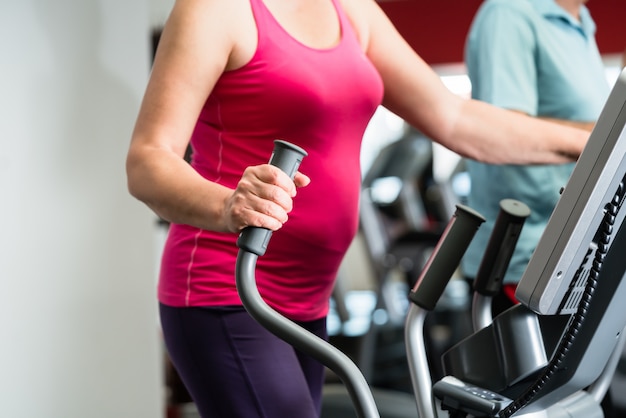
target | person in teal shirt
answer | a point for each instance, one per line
(537, 57)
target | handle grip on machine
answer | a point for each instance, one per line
(424, 297)
(446, 257)
(495, 261)
(287, 157)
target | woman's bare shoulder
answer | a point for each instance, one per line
(213, 15)
(221, 29)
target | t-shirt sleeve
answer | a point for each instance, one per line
(500, 55)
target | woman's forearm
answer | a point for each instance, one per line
(493, 135)
(174, 191)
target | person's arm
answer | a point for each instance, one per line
(586, 126)
(202, 38)
(471, 128)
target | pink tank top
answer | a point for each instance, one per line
(322, 101)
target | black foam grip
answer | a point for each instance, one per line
(446, 257)
(500, 248)
(287, 157)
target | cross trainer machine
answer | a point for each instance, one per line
(551, 356)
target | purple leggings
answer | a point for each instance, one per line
(235, 368)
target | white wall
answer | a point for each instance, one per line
(79, 334)
(159, 11)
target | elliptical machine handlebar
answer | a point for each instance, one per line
(424, 296)
(497, 256)
(287, 157)
(252, 243)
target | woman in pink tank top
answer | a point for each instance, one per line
(230, 77)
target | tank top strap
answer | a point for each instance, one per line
(347, 31)
(262, 16)
(260, 13)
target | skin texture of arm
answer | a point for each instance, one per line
(587, 126)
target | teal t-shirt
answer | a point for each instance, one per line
(530, 56)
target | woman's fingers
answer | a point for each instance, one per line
(263, 198)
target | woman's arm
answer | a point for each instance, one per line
(471, 128)
(202, 39)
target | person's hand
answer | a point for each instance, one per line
(263, 198)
